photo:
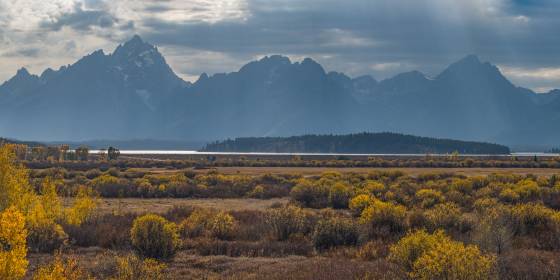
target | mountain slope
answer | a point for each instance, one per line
(118, 95)
(272, 96)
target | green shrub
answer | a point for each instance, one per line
(335, 232)
(339, 194)
(257, 192)
(286, 222)
(311, 194)
(46, 237)
(373, 250)
(154, 237)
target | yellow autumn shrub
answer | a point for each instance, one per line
(222, 225)
(443, 216)
(527, 189)
(15, 189)
(383, 218)
(452, 260)
(196, 223)
(374, 187)
(45, 234)
(154, 237)
(131, 267)
(13, 245)
(359, 203)
(413, 246)
(428, 197)
(436, 256)
(83, 207)
(286, 222)
(62, 269)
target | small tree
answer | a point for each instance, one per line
(63, 151)
(82, 153)
(154, 237)
(113, 153)
(13, 246)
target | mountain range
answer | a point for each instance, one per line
(133, 93)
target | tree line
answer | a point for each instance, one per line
(360, 143)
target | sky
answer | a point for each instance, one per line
(377, 37)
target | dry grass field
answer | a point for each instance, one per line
(409, 171)
(188, 265)
(311, 171)
(162, 205)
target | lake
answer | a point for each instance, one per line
(190, 152)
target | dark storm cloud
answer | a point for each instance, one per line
(82, 20)
(418, 32)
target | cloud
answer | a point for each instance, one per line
(80, 19)
(540, 79)
(26, 52)
(379, 37)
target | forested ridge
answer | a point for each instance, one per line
(12, 141)
(355, 143)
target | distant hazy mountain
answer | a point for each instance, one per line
(133, 94)
(120, 95)
(361, 143)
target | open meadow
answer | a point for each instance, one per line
(292, 218)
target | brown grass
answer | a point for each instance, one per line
(186, 265)
(409, 170)
(162, 205)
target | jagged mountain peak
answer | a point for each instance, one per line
(470, 59)
(276, 58)
(313, 66)
(49, 72)
(472, 68)
(22, 81)
(133, 47)
(23, 75)
(22, 72)
(138, 53)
